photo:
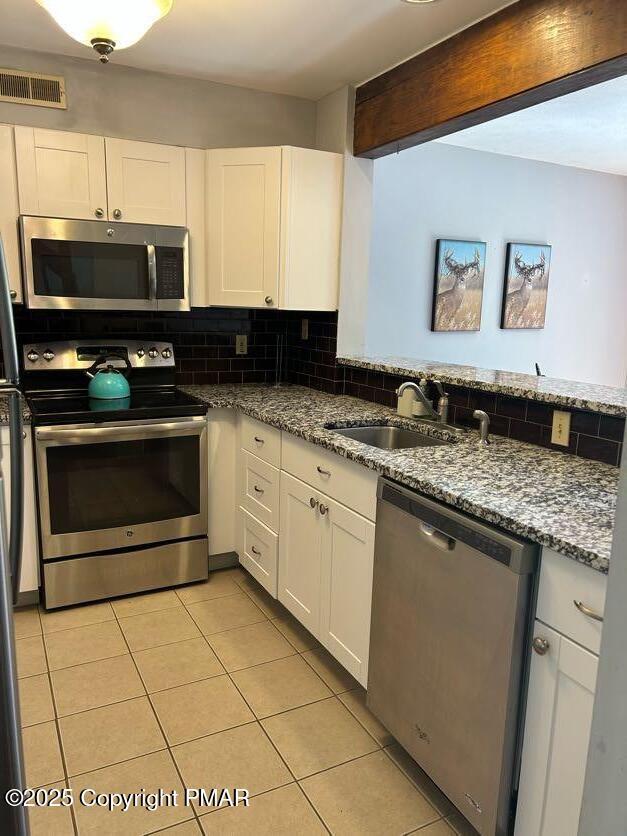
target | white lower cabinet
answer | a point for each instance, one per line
(257, 549)
(326, 554)
(346, 587)
(29, 580)
(300, 552)
(557, 732)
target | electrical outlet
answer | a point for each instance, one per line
(561, 428)
(241, 344)
(304, 329)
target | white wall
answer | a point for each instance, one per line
(437, 191)
(124, 102)
(335, 117)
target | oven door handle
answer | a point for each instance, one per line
(152, 271)
(87, 434)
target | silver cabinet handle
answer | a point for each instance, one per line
(268, 300)
(258, 490)
(587, 611)
(540, 645)
(322, 471)
(13, 294)
(117, 214)
(99, 213)
(254, 550)
(313, 502)
(258, 440)
(324, 509)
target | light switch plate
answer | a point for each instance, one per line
(241, 344)
(561, 428)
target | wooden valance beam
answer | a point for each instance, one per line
(529, 52)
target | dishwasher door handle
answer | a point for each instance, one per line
(436, 538)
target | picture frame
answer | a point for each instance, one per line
(525, 286)
(458, 285)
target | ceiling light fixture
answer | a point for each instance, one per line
(106, 25)
(417, 2)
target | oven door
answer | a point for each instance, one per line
(120, 485)
(88, 264)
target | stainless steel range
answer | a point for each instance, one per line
(122, 483)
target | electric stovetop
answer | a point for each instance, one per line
(77, 407)
(56, 378)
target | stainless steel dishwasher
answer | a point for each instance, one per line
(450, 624)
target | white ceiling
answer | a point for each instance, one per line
(302, 47)
(587, 129)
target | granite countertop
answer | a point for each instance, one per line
(4, 410)
(593, 397)
(552, 498)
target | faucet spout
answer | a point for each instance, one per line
(409, 384)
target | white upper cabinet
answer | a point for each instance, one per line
(145, 182)
(311, 222)
(61, 174)
(273, 222)
(9, 210)
(69, 175)
(243, 208)
(195, 162)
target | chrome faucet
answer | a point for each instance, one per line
(484, 426)
(441, 414)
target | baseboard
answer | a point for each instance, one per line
(223, 561)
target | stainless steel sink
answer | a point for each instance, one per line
(390, 438)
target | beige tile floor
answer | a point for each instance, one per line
(214, 684)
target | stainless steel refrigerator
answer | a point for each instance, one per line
(13, 820)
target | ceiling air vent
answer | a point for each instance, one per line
(32, 88)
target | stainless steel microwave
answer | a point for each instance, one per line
(98, 265)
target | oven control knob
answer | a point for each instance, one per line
(140, 352)
(48, 355)
(33, 356)
(166, 353)
(153, 352)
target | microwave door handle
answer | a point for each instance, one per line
(152, 271)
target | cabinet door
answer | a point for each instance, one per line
(243, 224)
(9, 210)
(346, 586)
(145, 182)
(29, 579)
(557, 733)
(60, 174)
(195, 178)
(300, 544)
(311, 222)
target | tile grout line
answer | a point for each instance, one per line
(158, 721)
(379, 747)
(260, 724)
(56, 723)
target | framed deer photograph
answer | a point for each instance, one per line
(526, 285)
(458, 285)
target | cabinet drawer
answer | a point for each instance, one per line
(562, 582)
(258, 551)
(351, 484)
(259, 483)
(262, 440)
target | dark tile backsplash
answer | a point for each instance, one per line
(204, 348)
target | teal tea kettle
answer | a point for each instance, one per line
(108, 382)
